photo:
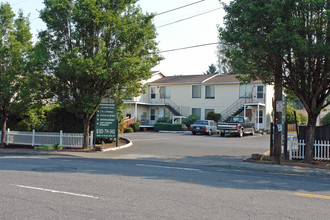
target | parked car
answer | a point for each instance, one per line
(204, 127)
(236, 125)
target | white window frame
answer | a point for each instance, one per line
(167, 91)
(205, 114)
(200, 116)
(192, 91)
(214, 91)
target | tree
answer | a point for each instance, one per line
(15, 46)
(212, 70)
(97, 49)
(286, 42)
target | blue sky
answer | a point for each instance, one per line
(195, 31)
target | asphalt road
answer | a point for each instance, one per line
(81, 188)
(146, 182)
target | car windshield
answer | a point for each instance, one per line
(200, 122)
(235, 120)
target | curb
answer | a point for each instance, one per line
(175, 132)
(130, 143)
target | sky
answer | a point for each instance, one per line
(198, 30)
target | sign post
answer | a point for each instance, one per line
(106, 121)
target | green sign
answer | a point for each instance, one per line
(106, 119)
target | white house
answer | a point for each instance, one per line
(199, 94)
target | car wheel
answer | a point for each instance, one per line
(222, 134)
(241, 133)
(194, 133)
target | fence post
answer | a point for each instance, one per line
(271, 139)
(61, 137)
(33, 136)
(91, 139)
(7, 138)
(290, 150)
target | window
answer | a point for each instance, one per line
(260, 91)
(153, 92)
(196, 91)
(209, 92)
(207, 111)
(197, 112)
(165, 92)
(245, 91)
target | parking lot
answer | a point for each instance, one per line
(184, 145)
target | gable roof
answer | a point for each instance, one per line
(185, 79)
(197, 79)
(219, 79)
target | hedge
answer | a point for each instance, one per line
(162, 126)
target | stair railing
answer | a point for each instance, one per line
(239, 103)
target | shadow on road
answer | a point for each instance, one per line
(167, 169)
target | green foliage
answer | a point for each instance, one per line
(58, 118)
(162, 126)
(190, 120)
(96, 54)
(213, 116)
(212, 70)
(15, 47)
(33, 117)
(128, 130)
(326, 119)
(47, 147)
(290, 116)
(135, 126)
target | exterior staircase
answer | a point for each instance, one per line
(234, 109)
(172, 107)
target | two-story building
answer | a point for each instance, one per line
(169, 96)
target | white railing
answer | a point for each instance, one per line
(74, 140)
(321, 149)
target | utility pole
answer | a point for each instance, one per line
(278, 110)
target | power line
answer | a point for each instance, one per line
(190, 47)
(188, 18)
(18, 2)
(174, 9)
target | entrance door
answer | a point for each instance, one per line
(152, 116)
(260, 118)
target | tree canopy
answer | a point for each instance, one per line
(15, 47)
(211, 70)
(290, 37)
(97, 49)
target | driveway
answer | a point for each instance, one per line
(174, 147)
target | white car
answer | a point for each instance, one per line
(204, 127)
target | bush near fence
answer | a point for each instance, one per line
(162, 126)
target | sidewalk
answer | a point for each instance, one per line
(236, 163)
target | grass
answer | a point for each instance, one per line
(47, 147)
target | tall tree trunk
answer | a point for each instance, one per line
(278, 112)
(86, 121)
(3, 130)
(310, 138)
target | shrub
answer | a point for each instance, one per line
(290, 116)
(135, 126)
(189, 120)
(162, 126)
(213, 116)
(128, 130)
(326, 119)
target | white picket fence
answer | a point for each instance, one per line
(74, 140)
(321, 149)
